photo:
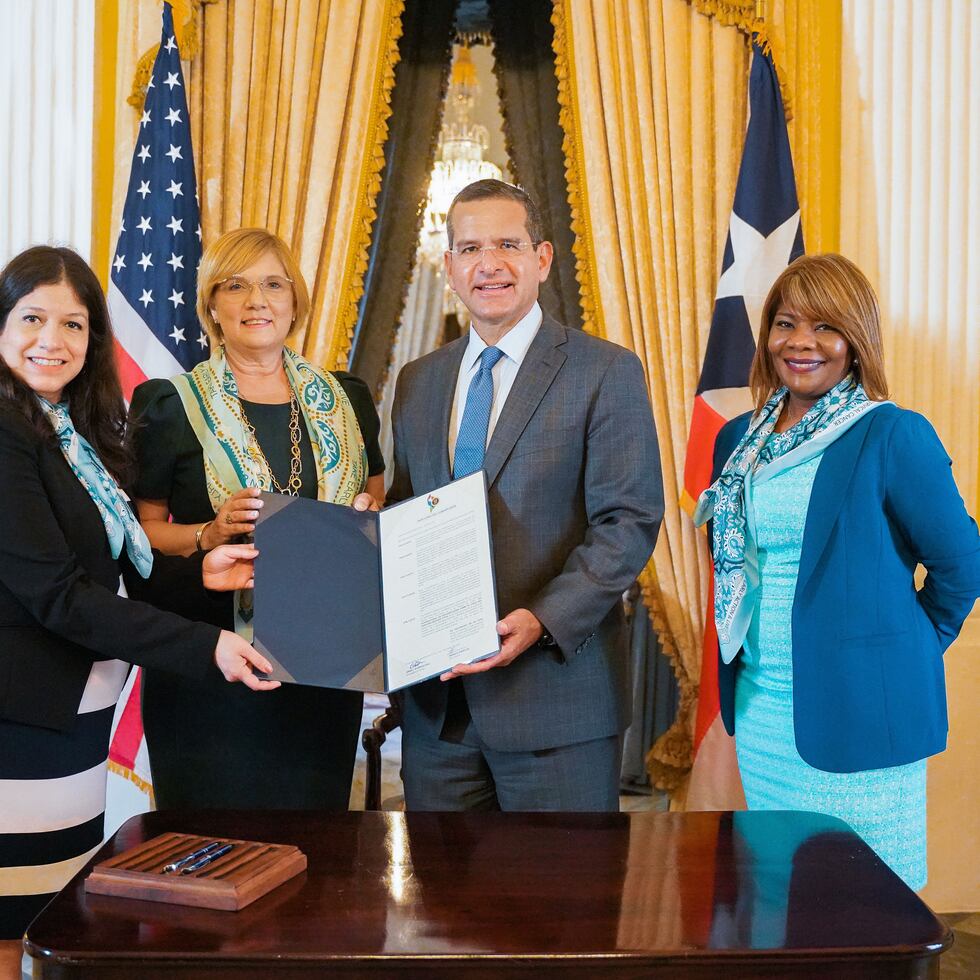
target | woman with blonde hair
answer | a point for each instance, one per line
(826, 499)
(255, 416)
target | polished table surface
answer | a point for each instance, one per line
(507, 894)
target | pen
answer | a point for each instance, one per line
(213, 856)
(193, 856)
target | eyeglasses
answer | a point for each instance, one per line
(502, 251)
(271, 287)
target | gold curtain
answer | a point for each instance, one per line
(806, 42)
(653, 105)
(289, 104)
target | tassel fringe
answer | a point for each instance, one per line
(569, 115)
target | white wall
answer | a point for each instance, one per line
(46, 96)
(910, 204)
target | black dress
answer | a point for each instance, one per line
(215, 745)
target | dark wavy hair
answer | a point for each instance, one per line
(97, 407)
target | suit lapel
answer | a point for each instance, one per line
(442, 381)
(542, 362)
(827, 496)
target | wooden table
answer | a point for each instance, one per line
(490, 895)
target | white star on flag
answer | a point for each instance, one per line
(176, 224)
(203, 339)
(145, 260)
(144, 153)
(171, 43)
(174, 153)
(178, 335)
(178, 300)
(144, 225)
(145, 118)
(144, 189)
(174, 189)
(171, 80)
(173, 116)
(757, 262)
(146, 298)
(176, 261)
(119, 263)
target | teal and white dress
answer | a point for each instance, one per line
(886, 807)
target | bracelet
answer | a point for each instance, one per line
(199, 533)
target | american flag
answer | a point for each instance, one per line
(154, 269)
(152, 291)
(764, 236)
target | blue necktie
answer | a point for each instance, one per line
(471, 443)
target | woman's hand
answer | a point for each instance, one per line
(373, 497)
(229, 567)
(235, 516)
(235, 658)
(364, 501)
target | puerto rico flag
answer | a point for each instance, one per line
(764, 236)
(152, 293)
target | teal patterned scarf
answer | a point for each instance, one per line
(120, 523)
(761, 454)
(232, 457)
(233, 460)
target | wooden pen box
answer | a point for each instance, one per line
(232, 881)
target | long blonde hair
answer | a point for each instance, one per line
(830, 289)
(237, 250)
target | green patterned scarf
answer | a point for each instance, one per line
(232, 458)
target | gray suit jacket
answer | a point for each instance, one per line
(576, 500)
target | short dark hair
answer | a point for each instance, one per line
(484, 190)
(97, 407)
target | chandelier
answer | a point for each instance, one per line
(460, 156)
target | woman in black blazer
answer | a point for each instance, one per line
(67, 634)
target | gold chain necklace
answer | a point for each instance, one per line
(295, 482)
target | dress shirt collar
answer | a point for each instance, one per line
(514, 343)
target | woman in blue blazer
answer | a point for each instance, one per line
(826, 499)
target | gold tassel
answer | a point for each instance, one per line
(188, 41)
(669, 760)
(745, 16)
(368, 188)
(128, 773)
(568, 118)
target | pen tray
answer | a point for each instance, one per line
(232, 881)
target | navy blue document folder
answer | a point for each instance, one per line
(319, 604)
(319, 564)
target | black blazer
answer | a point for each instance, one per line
(59, 608)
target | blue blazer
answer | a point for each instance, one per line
(868, 683)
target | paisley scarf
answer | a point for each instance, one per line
(232, 457)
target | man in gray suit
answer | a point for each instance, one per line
(561, 423)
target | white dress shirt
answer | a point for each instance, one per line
(514, 345)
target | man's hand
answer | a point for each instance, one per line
(229, 567)
(518, 631)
